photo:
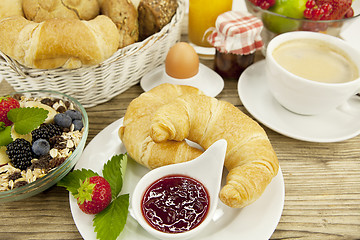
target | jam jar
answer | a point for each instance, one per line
(236, 38)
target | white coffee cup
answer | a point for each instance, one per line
(303, 96)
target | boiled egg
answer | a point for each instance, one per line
(182, 61)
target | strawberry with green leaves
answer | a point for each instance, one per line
(110, 216)
(94, 195)
(6, 104)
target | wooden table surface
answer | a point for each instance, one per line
(322, 184)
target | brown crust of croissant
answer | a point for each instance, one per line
(135, 132)
(250, 158)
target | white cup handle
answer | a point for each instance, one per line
(348, 108)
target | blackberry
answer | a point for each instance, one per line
(20, 154)
(46, 131)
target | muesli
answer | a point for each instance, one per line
(36, 136)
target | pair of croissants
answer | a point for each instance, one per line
(157, 123)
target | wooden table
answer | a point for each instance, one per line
(322, 184)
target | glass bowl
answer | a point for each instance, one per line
(275, 24)
(59, 172)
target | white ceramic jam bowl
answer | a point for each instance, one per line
(207, 169)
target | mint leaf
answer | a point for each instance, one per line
(27, 119)
(114, 171)
(5, 136)
(111, 221)
(71, 181)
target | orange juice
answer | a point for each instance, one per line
(202, 15)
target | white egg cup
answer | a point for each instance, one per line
(207, 169)
(207, 80)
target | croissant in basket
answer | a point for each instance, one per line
(68, 43)
(250, 158)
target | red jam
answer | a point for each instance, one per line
(175, 204)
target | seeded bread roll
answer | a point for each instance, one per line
(41, 10)
(124, 14)
(10, 8)
(154, 15)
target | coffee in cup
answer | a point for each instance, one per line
(316, 60)
(311, 73)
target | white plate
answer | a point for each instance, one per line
(207, 80)
(333, 126)
(257, 221)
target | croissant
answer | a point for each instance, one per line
(250, 158)
(68, 43)
(10, 8)
(135, 132)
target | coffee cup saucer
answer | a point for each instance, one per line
(334, 126)
(207, 80)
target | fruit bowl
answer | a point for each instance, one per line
(275, 23)
(48, 178)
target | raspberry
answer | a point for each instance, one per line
(327, 9)
(45, 131)
(264, 4)
(20, 154)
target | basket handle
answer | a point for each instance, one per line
(13, 64)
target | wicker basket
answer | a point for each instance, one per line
(93, 85)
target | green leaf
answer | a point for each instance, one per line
(110, 222)
(72, 181)
(5, 136)
(27, 119)
(114, 171)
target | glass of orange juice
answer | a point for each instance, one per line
(202, 16)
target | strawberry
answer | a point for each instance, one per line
(6, 104)
(94, 195)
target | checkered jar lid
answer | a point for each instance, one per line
(237, 33)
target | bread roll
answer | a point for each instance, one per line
(10, 8)
(154, 15)
(54, 43)
(41, 10)
(124, 14)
